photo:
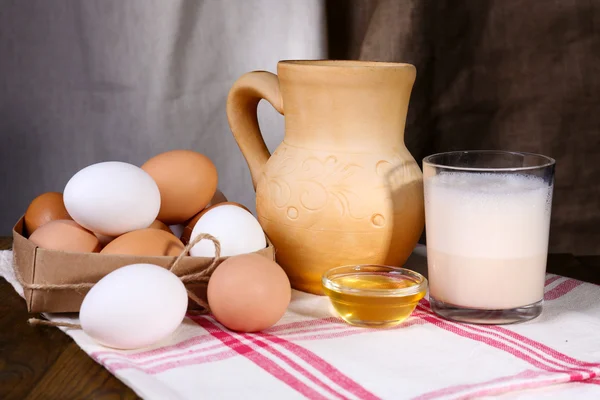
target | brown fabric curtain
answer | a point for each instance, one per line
(496, 74)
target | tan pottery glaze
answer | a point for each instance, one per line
(341, 188)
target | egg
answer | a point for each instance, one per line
(160, 225)
(236, 229)
(65, 235)
(145, 242)
(111, 198)
(189, 226)
(134, 306)
(187, 181)
(43, 209)
(248, 293)
(104, 239)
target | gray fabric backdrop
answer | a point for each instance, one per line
(96, 80)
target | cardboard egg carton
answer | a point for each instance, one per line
(42, 266)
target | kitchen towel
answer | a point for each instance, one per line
(312, 354)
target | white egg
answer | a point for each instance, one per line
(111, 198)
(134, 306)
(236, 229)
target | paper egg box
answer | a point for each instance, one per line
(42, 266)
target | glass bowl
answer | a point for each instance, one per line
(376, 296)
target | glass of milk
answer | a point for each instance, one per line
(487, 219)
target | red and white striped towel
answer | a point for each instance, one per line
(312, 354)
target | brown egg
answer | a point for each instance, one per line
(104, 239)
(43, 209)
(248, 293)
(160, 225)
(189, 226)
(65, 235)
(145, 242)
(187, 182)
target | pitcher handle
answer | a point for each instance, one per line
(242, 104)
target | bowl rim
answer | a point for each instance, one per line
(328, 280)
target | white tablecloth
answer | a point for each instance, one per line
(312, 354)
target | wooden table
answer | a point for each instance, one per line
(45, 363)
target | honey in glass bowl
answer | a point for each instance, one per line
(374, 295)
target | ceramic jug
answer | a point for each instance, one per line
(341, 188)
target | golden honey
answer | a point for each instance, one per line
(374, 296)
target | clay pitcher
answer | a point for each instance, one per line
(341, 188)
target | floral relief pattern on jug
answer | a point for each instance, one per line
(341, 188)
(308, 200)
(306, 186)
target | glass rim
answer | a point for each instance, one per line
(549, 161)
(329, 276)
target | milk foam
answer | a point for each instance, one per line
(487, 215)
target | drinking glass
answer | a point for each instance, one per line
(487, 219)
